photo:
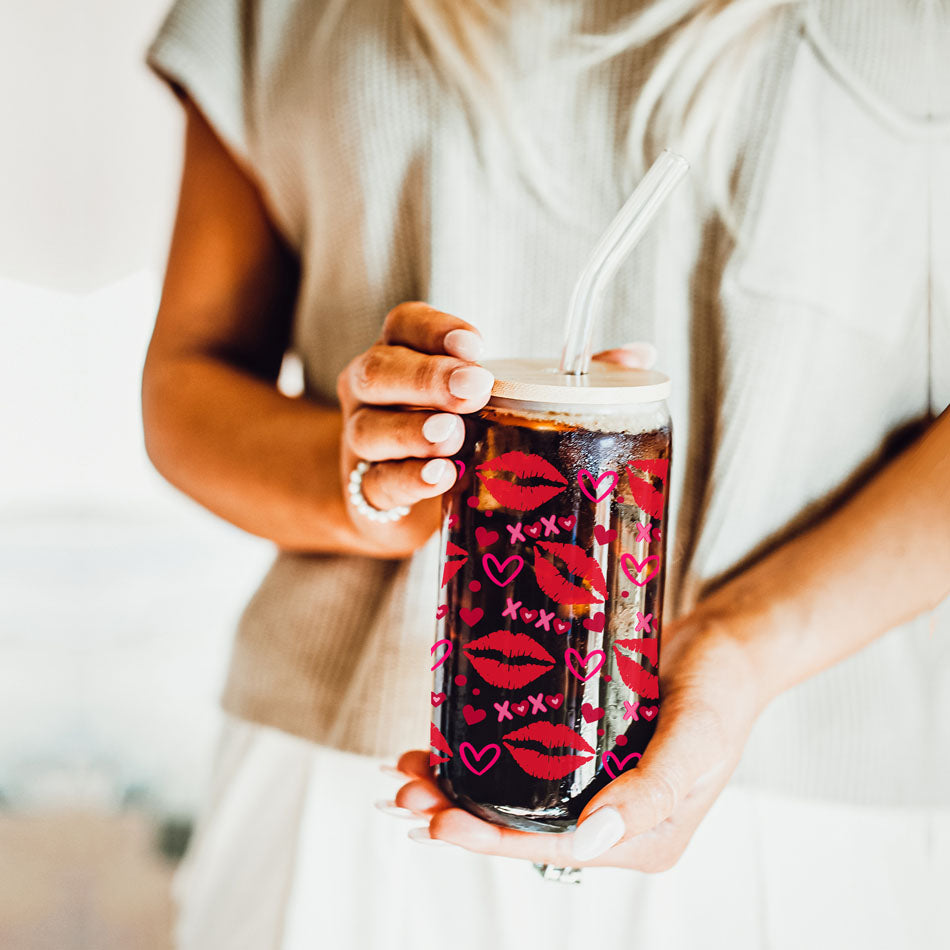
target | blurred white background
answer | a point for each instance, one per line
(118, 597)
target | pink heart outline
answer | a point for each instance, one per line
(500, 567)
(640, 565)
(435, 646)
(461, 466)
(620, 763)
(570, 653)
(595, 482)
(467, 748)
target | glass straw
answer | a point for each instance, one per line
(620, 238)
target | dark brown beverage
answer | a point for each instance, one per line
(546, 661)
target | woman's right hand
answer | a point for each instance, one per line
(402, 401)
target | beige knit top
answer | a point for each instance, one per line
(802, 350)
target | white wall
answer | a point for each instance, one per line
(117, 595)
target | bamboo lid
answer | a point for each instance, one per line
(540, 380)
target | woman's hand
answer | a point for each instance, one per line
(644, 819)
(401, 401)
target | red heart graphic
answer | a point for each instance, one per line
(528, 615)
(473, 715)
(442, 611)
(640, 566)
(592, 713)
(438, 699)
(596, 623)
(592, 494)
(602, 535)
(453, 521)
(471, 615)
(520, 708)
(568, 523)
(648, 712)
(562, 626)
(484, 537)
(619, 763)
(555, 700)
(533, 529)
(467, 751)
(570, 654)
(492, 564)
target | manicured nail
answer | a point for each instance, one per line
(434, 470)
(392, 770)
(421, 835)
(439, 427)
(643, 352)
(603, 829)
(389, 807)
(464, 344)
(471, 382)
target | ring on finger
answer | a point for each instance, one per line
(359, 502)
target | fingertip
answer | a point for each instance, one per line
(465, 344)
(457, 826)
(415, 762)
(471, 384)
(435, 471)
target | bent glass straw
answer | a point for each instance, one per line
(620, 238)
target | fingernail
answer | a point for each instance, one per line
(392, 770)
(464, 344)
(439, 427)
(421, 836)
(603, 829)
(389, 807)
(644, 352)
(434, 470)
(471, 382)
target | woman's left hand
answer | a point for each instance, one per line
(710, 695)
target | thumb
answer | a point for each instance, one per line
(639, 355)
(642, 798)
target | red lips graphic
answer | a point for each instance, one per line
(451, 568)
(521, 659)
(507, 491)
(578, 563)
(533, 746)
(438, 742)
(647, 498)
(637, 679)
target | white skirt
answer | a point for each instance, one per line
(290, 854)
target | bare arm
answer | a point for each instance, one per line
(879, 560)
(216, 425)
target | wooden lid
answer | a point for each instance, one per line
(606, 384)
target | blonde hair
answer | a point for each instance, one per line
(689, 102)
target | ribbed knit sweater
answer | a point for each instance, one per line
(803, 347)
